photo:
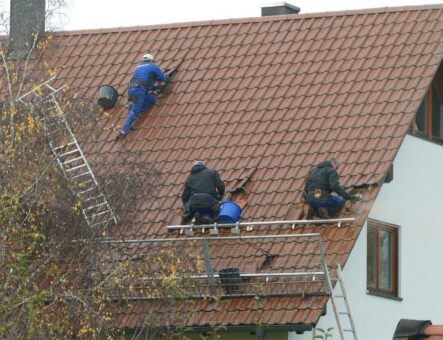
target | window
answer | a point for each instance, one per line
(382, 259)
(429, 116)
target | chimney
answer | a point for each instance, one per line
(279, 8)
(27, 19)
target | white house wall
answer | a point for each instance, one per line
(413, 201)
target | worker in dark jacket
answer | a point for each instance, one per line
(321, 182)
(201, 194)
(143, 86)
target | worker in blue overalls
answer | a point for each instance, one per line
(144, 84)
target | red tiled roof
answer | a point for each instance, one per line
(262, 100)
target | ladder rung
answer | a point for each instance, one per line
(102, 213)
(82, 174)
(104, 222)
(348, 330)
(75, 168)
(50, 87)
(95, 206)
(53, 89)
(93, 198)
(72, 160)
(87, 190)
(63, 146)
(343, 313)
(85, 182)
(69, 153)
(339, 296)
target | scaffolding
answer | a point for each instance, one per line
(255, 266)
(212, 266)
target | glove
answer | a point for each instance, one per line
(356, 198)
(155, 91)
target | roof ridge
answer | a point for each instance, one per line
(253, 19)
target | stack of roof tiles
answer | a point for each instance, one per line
(263, 100)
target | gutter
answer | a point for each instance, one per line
(259, 330)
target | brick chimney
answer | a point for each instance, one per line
(279, 8)
(27, 18)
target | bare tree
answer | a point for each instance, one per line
(56, 280)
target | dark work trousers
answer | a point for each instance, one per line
(204, 204)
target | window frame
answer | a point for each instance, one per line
(437, 83)
(377, 226)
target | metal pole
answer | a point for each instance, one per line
(265, 275)
(263, 223)
(212, 288)
(221, 238)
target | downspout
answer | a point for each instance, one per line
(260, 333)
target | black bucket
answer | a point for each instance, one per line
(230, 280)
(107, 97)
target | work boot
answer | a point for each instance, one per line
(206, 220)
(186, 218)
(310, 214)
(197, 218)
(323, 213)
(120, 136)
(202, 219)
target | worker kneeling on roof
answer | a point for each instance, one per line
(201, 194)
(321, 182)
(143, 86)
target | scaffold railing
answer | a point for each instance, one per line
(241, 266)
(230, 266)
(235, 228)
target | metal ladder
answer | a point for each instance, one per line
(340, 314)
(69, 155)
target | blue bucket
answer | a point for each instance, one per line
(229, 212)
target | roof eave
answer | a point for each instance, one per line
(298, 328)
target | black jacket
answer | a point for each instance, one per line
(203, 181)
(325, 177)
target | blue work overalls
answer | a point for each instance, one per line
(142, 83)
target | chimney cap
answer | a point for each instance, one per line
(279, 8)
(280, 4)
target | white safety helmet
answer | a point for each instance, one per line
(148, 57)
